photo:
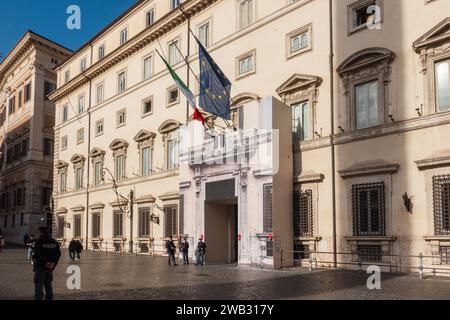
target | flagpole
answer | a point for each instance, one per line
(188, 66)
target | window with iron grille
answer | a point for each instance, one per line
(269, 248)
(181, 214)
(96, 225)
(118, 224)
(369, 253)
(445, 255)
(301, 251)
(77, 226)
(369, 209)
(267, 208)
(170, 221)
(441, 204)
(303, 213)
(144, 222)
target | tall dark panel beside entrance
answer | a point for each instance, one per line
(221, 220)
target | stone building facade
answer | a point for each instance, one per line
(366, 83)
(27, 76)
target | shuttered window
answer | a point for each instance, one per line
(170, 221)
(144, 222)
(77, 226)
(181, 228)
(118, 224)
(96, 225)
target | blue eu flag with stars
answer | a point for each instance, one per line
(215, 87)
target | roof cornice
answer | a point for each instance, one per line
(149, 35)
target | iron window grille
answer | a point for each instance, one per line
(445, 255)
(267, 208)
(369, 209)
(369, 253)
(269, 248)
(441, 204)
(302, 252)
(303, 213)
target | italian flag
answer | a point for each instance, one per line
(185, 90)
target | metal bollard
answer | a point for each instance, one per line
(421, 266)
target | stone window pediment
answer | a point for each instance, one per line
(364, 59)
(436, 36)
(60, 165)
(77, 158)
(298, 83)
(144, 135)
(244, 98)
(97, 152)
(118, 144)
(168, 126)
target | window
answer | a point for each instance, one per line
(80, 136)
(146, 163)
(96, 225)
(5, 222)
(121, 118)
(144, 222)
(445, 254)
(370, 253)
(77, 226)
(81, 104)
(79, 172)
(12, 105)
(48, 147)
(150, 17)
(204, 34)
(246, 64)
(49, 87)
(367, 112)
(101, 52)
(46, 196)
(174, 4)
(301, 121)
(170, 221)
(147, 106)
(443, 85)
(120, 168)
(22, 222)
(60, 230)
(25, 147)
(303, 214)
(267, 208)
(299, 41)
(99, 127)
(123, 36)
(64, 141)
(65, 113)
(246, 13)
(118, 224)
(174, 56)
(122, 81)
(20, 98)
(63, 182)
(368, 209)
(172, 154)
(67, 76)
(173, 96)
(17, 149)
(441, 204)
(148, 67)
(99, 93)
(98, 178)
(27, 92)
(363, 14)
(83, 64)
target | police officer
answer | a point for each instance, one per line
(201, 252)
(46, 256)
(184, 248)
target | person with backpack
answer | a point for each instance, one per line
(72, 249)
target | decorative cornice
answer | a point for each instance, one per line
(146, 199)
(438, 160)
(96, 206)
(151, 34)
(438, 34)
(369, 168)
(78, 208)
(309, 177)
(174, 195)
(62, 210)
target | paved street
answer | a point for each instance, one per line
(108, 276)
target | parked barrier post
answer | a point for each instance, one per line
(421, 266)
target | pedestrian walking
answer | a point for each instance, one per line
(201, 252)
(170, 246)
(30, 245)
(72, 249)
(184, 248)
(25, 239)
(2, 242)
(79, 248)
(46, 256)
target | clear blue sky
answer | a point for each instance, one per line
(48, 18)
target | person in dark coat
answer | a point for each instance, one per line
(25, 239)
(79, 248)
(72, 249)
(30, 245)
(46, 257)
(2, 242)
(184, 248)
(170, 246)
(201, 251)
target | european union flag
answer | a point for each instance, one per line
(215, 87)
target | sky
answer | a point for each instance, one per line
(48, 18)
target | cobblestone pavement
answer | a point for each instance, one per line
(109, 276)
